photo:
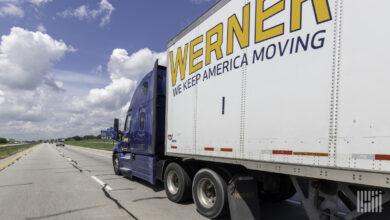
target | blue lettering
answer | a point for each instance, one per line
(284, 48)
(273, 53)
(300, 42)
(256, 56)
(244, 60)
(321, 40)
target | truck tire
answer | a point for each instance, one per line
(115, 163)
(209, 191)
(177, 183)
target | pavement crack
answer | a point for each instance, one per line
(22, 184)
(72, 162)
(117, 203)
(64, 213)
(125, 189)
(77, 167)
(150, 198)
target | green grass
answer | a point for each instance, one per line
(10, 150)
(93, 143)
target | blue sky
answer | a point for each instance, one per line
(63, 61)
(133, 25)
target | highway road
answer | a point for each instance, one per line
(79, 183)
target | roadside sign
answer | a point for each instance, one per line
(108, 135)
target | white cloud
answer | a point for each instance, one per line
(2, 98)
(131, 67)
(35, 2)
(103, 12)
(125, 72)
(55, 85)
(11, 10)
(98, 70)
(41, 28)
(25, 105)
(73, 80)
(86, 105)
(113, 96)
(106, 9)
(26, 57)
(39, 2)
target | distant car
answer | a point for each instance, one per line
(60, 143)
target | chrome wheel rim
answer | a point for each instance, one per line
(173, 182)
(206, 193)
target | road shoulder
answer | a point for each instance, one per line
(5, 162)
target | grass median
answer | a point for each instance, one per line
(93, 143)
(10, 150)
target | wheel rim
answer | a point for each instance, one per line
(206, 193)
(173, 182)
(116, 164)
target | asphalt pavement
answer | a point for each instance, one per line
(79, 183)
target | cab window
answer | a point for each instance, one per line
(145, 87)
(142, 121)
(128, 120)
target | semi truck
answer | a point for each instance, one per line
(291, 95)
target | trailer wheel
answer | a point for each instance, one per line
(115, 163)
(209, 191)
(177, 183)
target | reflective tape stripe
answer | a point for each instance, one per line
(382, 157)
(174, 147)
(311, 154)
(227, 149)
(285, 152)
(209, 149)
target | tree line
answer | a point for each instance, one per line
(80, 138)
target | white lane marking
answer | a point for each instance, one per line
(101, 183)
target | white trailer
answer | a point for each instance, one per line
(293, 87)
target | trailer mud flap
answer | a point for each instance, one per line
(243, 198)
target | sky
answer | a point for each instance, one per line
(69, 67)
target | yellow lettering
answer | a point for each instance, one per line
(216, 46)
(241, 33)
(196, 54)
(179, 61)
(296, 14)
(321, 8)
(262, 15)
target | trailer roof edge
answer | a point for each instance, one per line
(198, 21)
